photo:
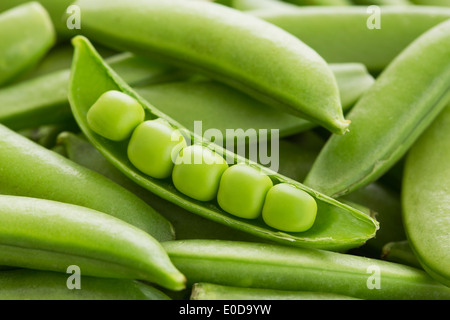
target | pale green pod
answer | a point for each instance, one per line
(25, 284)
(389, 117)
(49, 235)
(426, 198)
(266, 266)
(372, 36)
(26, 35)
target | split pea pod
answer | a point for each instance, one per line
(224, 44)
(43, 100)
(210, 291)
(26, 284)
(28, 169)
(342, 34)
(26, 35)
(389, 117)
(48, 235)
(255, 265)
(337, 225)
(426, 198)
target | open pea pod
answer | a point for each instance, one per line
(338, 226)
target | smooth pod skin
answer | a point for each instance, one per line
(341, 34)
(28, 169)
(56, 10)
(197, 172)
(389, 117)
(263, 60)
(26, 35)
(211, 291)
(115, 115)
(48, 235)
(242, 191)
(338, 226)
(153, 148)
(265, 266)
(26, 284)
(426, 198)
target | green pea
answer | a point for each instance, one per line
(197, 172)
(153, 147)
(289, 209)
(115, 115)
(242, 191)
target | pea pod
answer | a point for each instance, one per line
(426, 198)
(210, 291)
(56, 10)
(443, 3)
(49, 235)
(337, 226)
(255, 265)
(43, 100)
(42, 285)
(28, 169)
(202, 37)
(341, 34)
(26, 35)
(389, 117)
(218, 105)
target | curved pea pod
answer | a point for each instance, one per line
(26, 284)
(337, 226)
(211, 291)
(26, 35)
(224, 44)
(426, 198)
(43, 100)
(342, 34)
(48, 235)
(28, 169)
(218, 105)
(389, 117)
(265, 266)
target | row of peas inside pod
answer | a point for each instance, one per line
(161, 151)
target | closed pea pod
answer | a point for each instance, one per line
(26, 34)
(265, 266)
(389, 117)
(337, 225)
(100, 245)
(26, 284)
(426, 198)
(264, 61)
(28, 169)
(342, 34)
